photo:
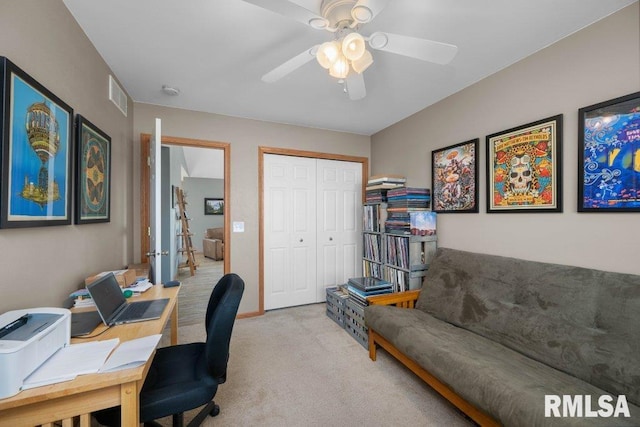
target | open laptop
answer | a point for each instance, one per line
(84, 323)
(114, 308)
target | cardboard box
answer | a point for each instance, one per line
(124, 277)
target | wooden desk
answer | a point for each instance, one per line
(88, 393)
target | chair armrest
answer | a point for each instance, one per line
(405, 299)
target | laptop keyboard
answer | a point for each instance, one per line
(135, 310)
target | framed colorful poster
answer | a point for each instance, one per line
(609, 156)
(36, 133)
(454, 178)
(524, 168)
(93, 173)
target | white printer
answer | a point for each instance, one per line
(27, 339)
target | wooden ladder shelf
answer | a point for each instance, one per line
(187, 246)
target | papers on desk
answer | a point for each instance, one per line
(71, 361)
(89, 358)
(140, 286)
(131, 354)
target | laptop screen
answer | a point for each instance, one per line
(107, 295)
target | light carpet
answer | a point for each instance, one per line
(296, 367)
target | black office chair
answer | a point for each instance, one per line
(186, 376)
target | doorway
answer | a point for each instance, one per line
(144, 190)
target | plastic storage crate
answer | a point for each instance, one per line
(336, 305)
(355, 323)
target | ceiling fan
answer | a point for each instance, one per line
(346, 56)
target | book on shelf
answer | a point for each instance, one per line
(376, 195)
(361, 297)
(391, 178)
(384, 186)
(409, 191)
(367, 284)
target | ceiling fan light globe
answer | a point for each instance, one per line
(353, 46)
(340, 68)
(327, 54)
(363, 63)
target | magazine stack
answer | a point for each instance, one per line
(378, 185)
(401, 202)
(361, 288)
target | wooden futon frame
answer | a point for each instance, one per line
(408, 300)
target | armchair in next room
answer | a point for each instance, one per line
(213, 243)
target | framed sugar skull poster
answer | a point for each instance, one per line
(524, 168)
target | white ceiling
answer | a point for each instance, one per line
(204, 162)
(215, 52)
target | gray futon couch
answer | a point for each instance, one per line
(494, 335)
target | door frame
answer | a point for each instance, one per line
(145, 139)
(364, 161)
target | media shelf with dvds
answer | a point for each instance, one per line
(407, 259)
(374, 216)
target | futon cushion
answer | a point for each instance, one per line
(581, 321)
(504, 383)
(176, 382)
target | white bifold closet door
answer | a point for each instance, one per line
(339, 223)
(312, 227)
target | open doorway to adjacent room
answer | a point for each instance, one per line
(194, 233)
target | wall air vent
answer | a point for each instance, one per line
(117, 95)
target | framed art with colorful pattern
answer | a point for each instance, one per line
(609, 156)
(93, 173)
(36, 135)
(454, 178)
(524, 168)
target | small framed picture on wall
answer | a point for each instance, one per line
(213, 206)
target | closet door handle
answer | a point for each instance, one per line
(301, 240)
(330, 239)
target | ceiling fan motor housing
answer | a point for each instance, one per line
(337, 12)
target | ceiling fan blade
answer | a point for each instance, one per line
(293, 11)
(355, 86)
(365, 10)
(291, 65)
(426, 50)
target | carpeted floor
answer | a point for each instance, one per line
(296, 367)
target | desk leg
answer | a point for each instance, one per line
(129, 401)
(174, 325)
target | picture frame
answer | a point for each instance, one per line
(36, 132)
(524, 168)
(609, 155)
(454, 178)
(213, 206)
(93, 173)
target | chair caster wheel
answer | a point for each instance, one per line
(215, 411)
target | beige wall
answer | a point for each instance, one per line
(245, 136)
(40, 266)
(598, 63)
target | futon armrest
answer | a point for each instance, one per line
(405, 299)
